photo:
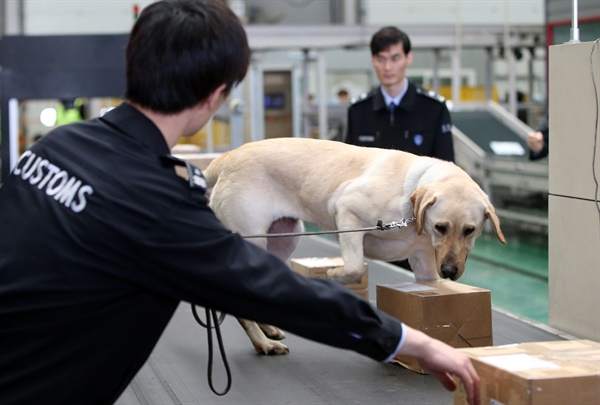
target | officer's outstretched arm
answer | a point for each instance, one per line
(442, 361)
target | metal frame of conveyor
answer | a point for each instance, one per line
(517, 186)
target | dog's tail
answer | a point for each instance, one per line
(213, 171)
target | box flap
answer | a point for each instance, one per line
(319, 261)
(536, 360)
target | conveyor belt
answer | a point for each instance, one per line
(482, 127)
(311, 373)
(517, 186)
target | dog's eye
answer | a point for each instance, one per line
(442, 229)
(468, 231)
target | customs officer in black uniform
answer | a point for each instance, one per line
(537, 141)
(398, 114)
(100, 239)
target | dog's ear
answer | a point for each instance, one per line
(420, 200)
(490, 214)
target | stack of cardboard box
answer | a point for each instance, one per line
(317, 267)
(537, 373)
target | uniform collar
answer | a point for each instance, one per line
(406, 103)
(396, 100)
(130, 121)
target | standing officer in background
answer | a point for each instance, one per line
(100, 239)
(398, 114)
(537, 141)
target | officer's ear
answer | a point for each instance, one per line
(217, 97)
(409, 58)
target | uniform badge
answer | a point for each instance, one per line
(446, 128)
(196, 177)
(418, 139)
(366, 138)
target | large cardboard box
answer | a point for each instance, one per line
(537, 373)
(316, 267)
(457, 314)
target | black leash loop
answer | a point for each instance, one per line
(211, 313)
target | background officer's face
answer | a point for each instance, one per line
(390, 65)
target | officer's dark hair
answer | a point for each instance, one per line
(388, 36)
(180, 51)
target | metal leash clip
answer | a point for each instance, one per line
(403, 223)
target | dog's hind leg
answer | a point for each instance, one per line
(282, 247)
(271, 331)
(264, 337)
(262, 344)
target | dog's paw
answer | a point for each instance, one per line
(338, 274)
(271, 347)
(272, 332)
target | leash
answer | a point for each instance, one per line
(403, 223)
(211, 313)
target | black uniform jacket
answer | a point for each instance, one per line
(99, 242)
(420, 124)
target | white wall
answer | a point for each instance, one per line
(468, 12)
(64, 17)
(574, 202)
(45, 17)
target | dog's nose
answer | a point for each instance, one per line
(449, 271)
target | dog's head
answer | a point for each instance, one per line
(453, 214)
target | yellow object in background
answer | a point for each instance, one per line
(68, 111)
(469, 93)
(221, 136)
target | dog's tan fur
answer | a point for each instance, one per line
(272, 186)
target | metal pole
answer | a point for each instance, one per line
(456, 57)
(574, 25)
(511, 68)
(489, 73)
(257, 112)
(436, 70)
(322, 94)
(349, 12)
(13, 132)
(210, 147)
(13, 17)
(305, 94)
(236, 118)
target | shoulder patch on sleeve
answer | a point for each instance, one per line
(192, 174)
(358, 98)
(431, 94)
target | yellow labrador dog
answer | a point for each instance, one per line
(272, 186)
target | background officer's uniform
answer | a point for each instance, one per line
(544, 129)
(420, 124)
(99, 242)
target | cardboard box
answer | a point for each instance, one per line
(457, 314)
(200, 160)
(537, 373)
(363, 292)
(316, 267)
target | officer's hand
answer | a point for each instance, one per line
(535, 141)
(442, 361)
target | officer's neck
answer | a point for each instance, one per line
(188, 122)
(396, 89)
(173, 127)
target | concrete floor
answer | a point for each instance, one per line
(312, 373)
